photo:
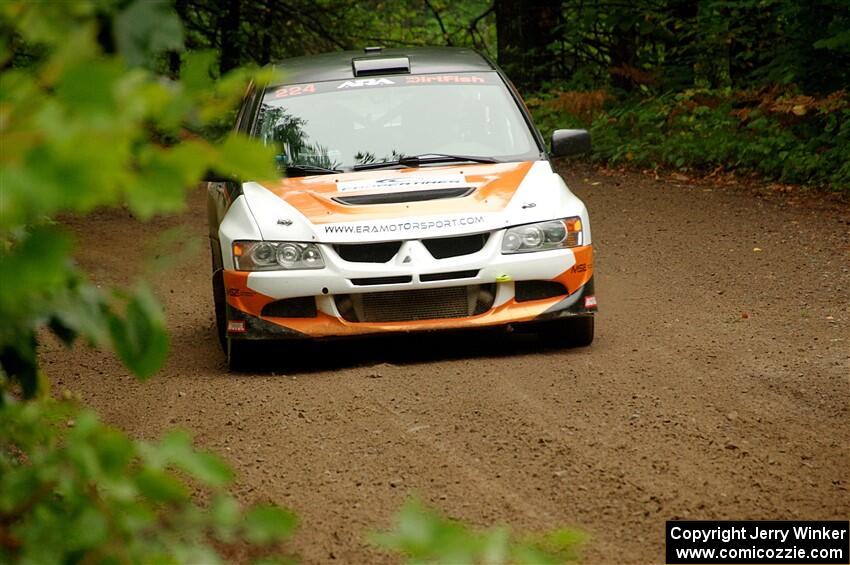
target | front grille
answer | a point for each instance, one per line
(405, 196)
(368, 252)
(445, 247)
(415, 305)
(303, 307)
(419, 304)
(448, 276)
(525, 291)
(382, 280)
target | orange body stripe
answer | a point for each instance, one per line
(325, 325)
(240, 296)
(495, 183)
(577, 276)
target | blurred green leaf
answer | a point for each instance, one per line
(273, 561)
(89, 87)
(160, 486)
(139, 337)
(88, 529)
(268, 524)
(207, 468)
(197, 71)
(245, 158)
(82, 310)
(146, 28)
(423, 535)
(225, 514)
(84, 128)
(33, 269)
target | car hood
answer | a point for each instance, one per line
(407, 203)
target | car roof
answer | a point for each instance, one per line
(423, 60)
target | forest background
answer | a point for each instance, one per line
(110, 103)
(758, 86)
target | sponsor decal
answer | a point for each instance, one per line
(427, 227)
(240, 292)
(443, 79)
(356, 83)
(296, 90)
(579, 268)
(278, 94)
(590, 302)
(404, 183)
(236, 327)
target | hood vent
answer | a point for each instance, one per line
(369, 66)
(406, 196)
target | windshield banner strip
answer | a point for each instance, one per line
(300, 90)
(407, 182)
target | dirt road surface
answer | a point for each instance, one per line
(718, 386)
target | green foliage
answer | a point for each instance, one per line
(85, 127)
(423, 535)
(673, 45)
(795, 139)
(82, 129)
(73, 489)
(145, 28)
(246, 31)
(694, 85)
(637, 51)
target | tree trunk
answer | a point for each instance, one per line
(524, 30)
(229, 22)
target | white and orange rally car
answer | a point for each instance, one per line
(415, 194)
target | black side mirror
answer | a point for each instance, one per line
(569, 142)
(211, 175)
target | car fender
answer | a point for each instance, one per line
(238, 224)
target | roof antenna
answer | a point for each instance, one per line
(377, 49)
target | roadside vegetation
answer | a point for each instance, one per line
(753, 86)
(110, 103)
(88, 121)
(794, 139)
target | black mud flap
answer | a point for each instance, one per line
(254, 328)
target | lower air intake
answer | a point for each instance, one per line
(304, 307)
(526, 291)
(413, 305)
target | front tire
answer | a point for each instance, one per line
(575, 331)
(238, 354)
(220, 304)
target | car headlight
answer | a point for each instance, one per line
(554, 234)
(276, 255)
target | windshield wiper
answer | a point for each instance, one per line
(305, 170)
(424, 159)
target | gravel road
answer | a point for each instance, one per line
(718, 386)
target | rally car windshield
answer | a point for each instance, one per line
(343, 125)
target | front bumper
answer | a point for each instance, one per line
(502, 280)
